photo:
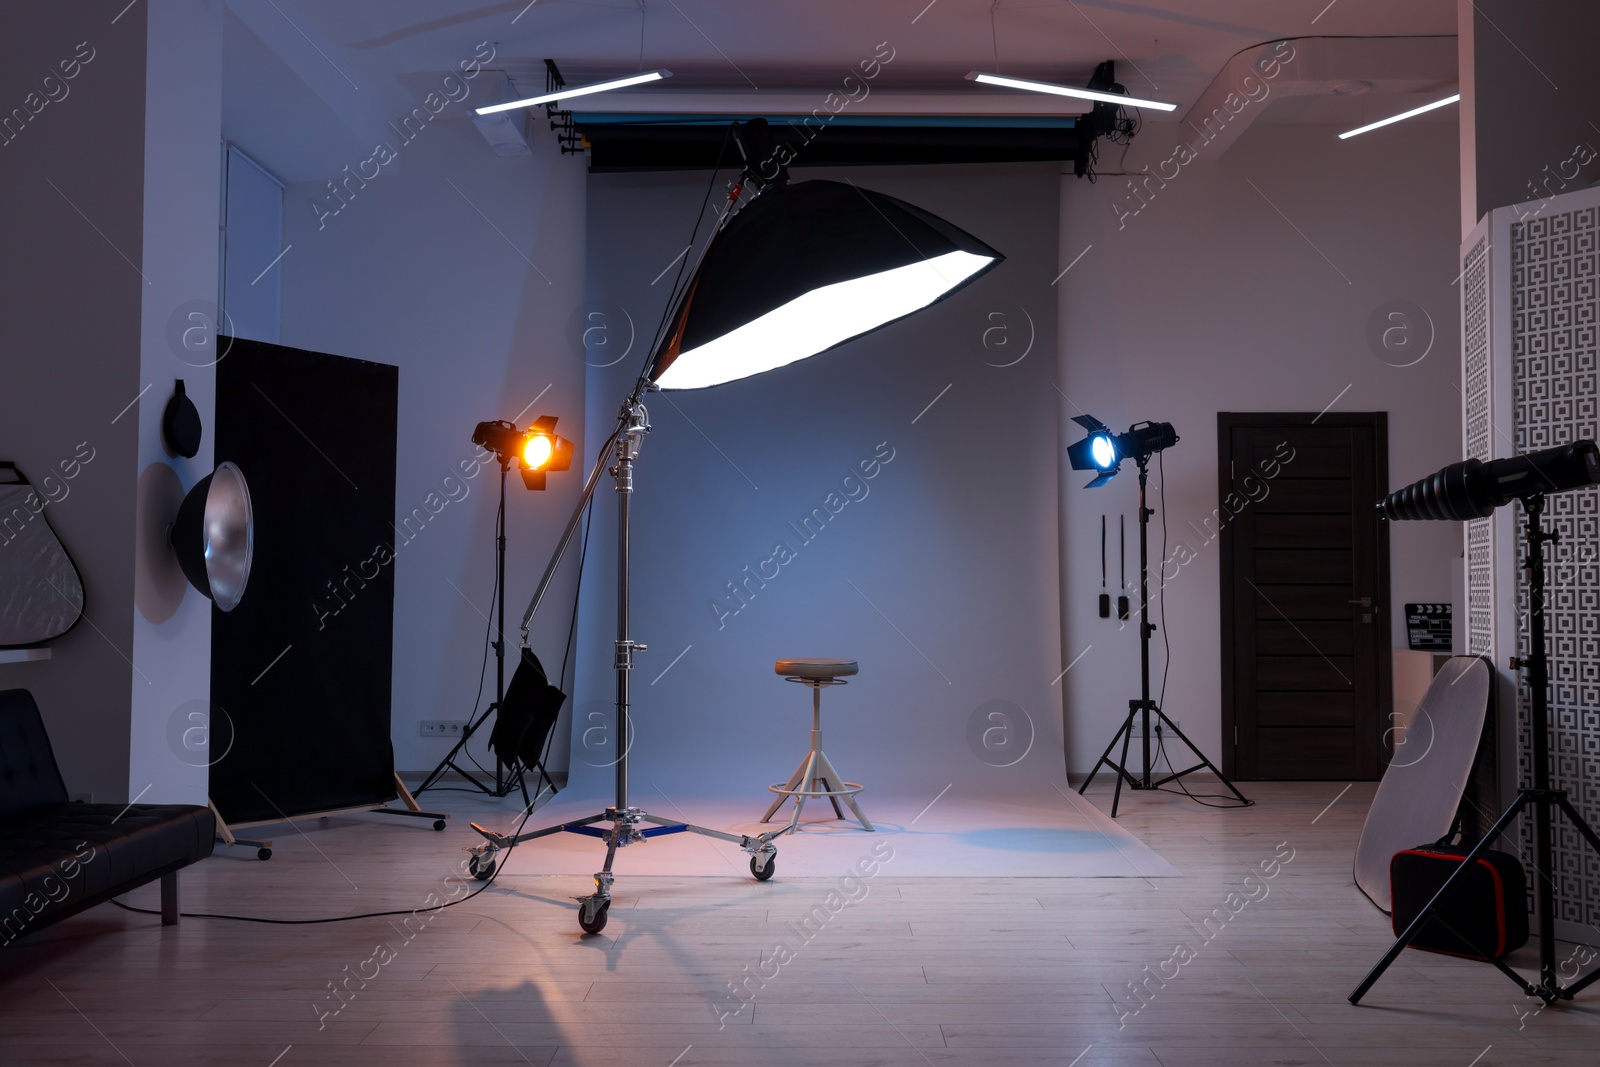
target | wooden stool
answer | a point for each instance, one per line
(816, 777)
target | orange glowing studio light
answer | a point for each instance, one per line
(537, 451)
(533, 451)
(543, 451)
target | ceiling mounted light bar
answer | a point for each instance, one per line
(1068, 90)
(578, 90)
(1413, 113)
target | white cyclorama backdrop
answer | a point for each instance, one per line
(938, 573)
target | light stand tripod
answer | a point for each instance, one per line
(1544, 800)
(626, 820)
(1144, 705)
(502, 782)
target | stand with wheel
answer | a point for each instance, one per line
(629, 824)
(1544, 801)
(1145, 705)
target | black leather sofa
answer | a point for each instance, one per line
(58, 857)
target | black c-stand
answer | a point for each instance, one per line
(503, 783)
(1543, 799)
(1145, 704)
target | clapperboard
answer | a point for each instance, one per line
(1428, 627)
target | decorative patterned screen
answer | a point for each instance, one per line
(1554, 317)
(1478, 443)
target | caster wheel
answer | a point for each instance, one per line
(596, 924)
(480, 868)
(764, 873)
(438, 824)
(263, 853)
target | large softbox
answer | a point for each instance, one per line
(526, 718)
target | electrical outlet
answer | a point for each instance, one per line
(452, 728)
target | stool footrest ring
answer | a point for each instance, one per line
(850, 789)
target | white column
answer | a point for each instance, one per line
(182, 191)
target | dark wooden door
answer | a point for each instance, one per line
(1305, 590)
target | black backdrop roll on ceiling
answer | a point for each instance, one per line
(301, 668)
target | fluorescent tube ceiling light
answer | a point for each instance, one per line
(1402, 116)
(820, 319)
(578, 90)
(1068, 90)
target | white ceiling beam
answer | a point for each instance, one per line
(1243, 89)
(317, 61)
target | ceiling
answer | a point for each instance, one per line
(367, 61)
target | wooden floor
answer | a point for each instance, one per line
(1028, 971)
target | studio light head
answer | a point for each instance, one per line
(1104, 451)
(1472, 489)
(532, 451)
(214, 535)
(804, 268)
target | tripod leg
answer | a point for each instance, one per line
(449, 764)
(1169, 724)
(1577, 822)
(1433, 905)
(1122, 771)
(1105, 757)
(1593, 840)
(544, 780)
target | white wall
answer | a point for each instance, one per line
(70, 298)
(479, 315)
(1247, 284)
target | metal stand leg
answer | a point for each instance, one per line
(836, 783)
(1122, 768)
(594, 909)
(816, 775)
(1172, 728)
(810, 779)
(795, 779)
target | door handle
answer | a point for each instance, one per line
(1365, 602)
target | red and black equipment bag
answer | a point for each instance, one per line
(1484, 917)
